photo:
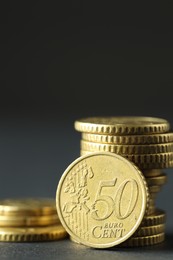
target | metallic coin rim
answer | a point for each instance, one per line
(162, 162)
(158, 217)
(28, 221)
(153, 125)
(129, 139)
(42, 210)
(157, 180)
(145, 240)
(127, 149)
(144, 191)
(48, 233)
(149, 230)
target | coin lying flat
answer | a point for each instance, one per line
(28, 206)
(144, 241)
(154, 189)
(129, 139)
(147, 161)
(159, 217)
(149, 231)
(152, 172)
(49, 233)
(127, 149)
(101, 199)
(156, 180)
(122, 125)
(25, 221)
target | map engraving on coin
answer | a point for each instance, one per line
(101, 199)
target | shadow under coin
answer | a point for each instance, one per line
(166, 246)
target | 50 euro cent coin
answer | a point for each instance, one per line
(101, 199)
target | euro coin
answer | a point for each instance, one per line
(25, 221)
(159, 217)
(28, 207)
(149, 231)
(154, 189)
(157, 180)
(101, 199)
(129, 139)
(127, 149)
(147, 161)
(144, 241)
(122, 125)
(152, 172)
(49, 233)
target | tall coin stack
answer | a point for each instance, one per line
(148, 143)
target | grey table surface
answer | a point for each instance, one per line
(33, 156)
(65, 249)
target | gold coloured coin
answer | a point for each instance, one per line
(127, 149)
(101, 199)
(28, 207)
(129, 139)
(149, 231)
(147, 161)
(152, 173)
(25, 221)
(154, 189)
(48, 233)
(122, 125)
(158, 180)
(159, 217)
(144, 241)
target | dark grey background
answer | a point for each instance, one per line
(70, 59)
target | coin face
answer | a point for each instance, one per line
(101, 199)
(122, 125)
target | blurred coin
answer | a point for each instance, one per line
(54, 232)
(25, 221)
(127, 149)
(159, 217)
(28, 207)
(144, 241)
(122, 125)
(129, 139)
(157, 180)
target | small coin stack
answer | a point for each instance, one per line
(148, 143)
(29, 220)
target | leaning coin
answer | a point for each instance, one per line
(48, 233)
(28, 206)
(122, 125)
(101, 199)
(26, 221)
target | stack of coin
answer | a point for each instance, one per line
(29, 219)
(148, 143)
